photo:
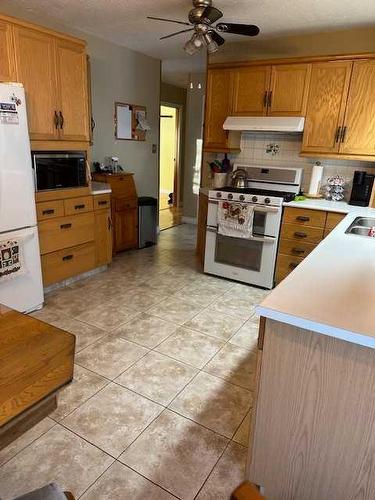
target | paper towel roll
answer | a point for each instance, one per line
(316, 180)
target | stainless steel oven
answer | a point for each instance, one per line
(59, 170)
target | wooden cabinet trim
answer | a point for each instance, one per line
(292, 60)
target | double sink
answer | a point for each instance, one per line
(361, 226)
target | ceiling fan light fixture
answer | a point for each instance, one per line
(212, 46)
(197, 40)
(190, 47)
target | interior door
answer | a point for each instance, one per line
(359, 125)
(217, 108)
(35, 61)
(326, 106)
(250, 91)
(72, 91)
(289, 90)
(7, 69)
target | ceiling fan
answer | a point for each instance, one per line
(201, 20)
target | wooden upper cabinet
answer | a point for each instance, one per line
(73, 111)
(250, 90)
(359, 124)
(7, 63)
(35, 60)
(326, 106)
(289, 90)
(219, 86)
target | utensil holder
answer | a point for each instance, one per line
(219, 180)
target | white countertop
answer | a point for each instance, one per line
(332, 291)
(322, 204)
(100, 188)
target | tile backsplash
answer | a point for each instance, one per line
(282, 150)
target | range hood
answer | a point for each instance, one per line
(265, 123)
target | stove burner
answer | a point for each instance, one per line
(287, 196)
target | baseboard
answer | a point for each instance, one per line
(189, 220)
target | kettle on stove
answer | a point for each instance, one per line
(239, 179)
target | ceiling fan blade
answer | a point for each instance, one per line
(175, 34)
(217, 38)
(238, 29)
(211, 14)
(168, 20)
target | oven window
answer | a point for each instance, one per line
(259, 223)
(239, 252)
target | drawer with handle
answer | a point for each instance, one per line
(305, 217)
(49, 209)
(298, 233)
(102, 201)
(296, 248)
(65, 232)
(63, 264)
(285, 265)
(79, 205)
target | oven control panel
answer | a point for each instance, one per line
(246, 198)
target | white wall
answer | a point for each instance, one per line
(120, 74)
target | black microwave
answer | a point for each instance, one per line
(59, 170)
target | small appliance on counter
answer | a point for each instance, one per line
(362, 189)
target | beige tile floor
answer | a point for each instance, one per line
(160, 405)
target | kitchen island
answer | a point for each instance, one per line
(313, 435)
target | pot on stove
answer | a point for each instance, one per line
(239, 179)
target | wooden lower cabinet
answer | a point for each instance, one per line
(72, 242)
(302, 229)
(125, 229)
(124, 201)
(313, 424)
(63, 264)
(103, 237)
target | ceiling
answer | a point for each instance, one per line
(124, 21)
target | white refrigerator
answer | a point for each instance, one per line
(20, 269)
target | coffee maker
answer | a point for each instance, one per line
(362, 189)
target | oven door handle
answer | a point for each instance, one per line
(262, 239)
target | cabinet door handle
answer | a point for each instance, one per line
(300, 235)
(67, 257)
(102, 202)
(265, 98)
(338, 134)
(56, 120)
(66, 226)
(293, 265)
(343, 134)
(298, 250)
(303, 218)
(79, 207)
(109, 223)
(48, 212)
(62, 121)
(270, 99)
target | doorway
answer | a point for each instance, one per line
(169, 183)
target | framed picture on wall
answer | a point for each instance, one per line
(130, 122)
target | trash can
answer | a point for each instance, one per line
(147, 221)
